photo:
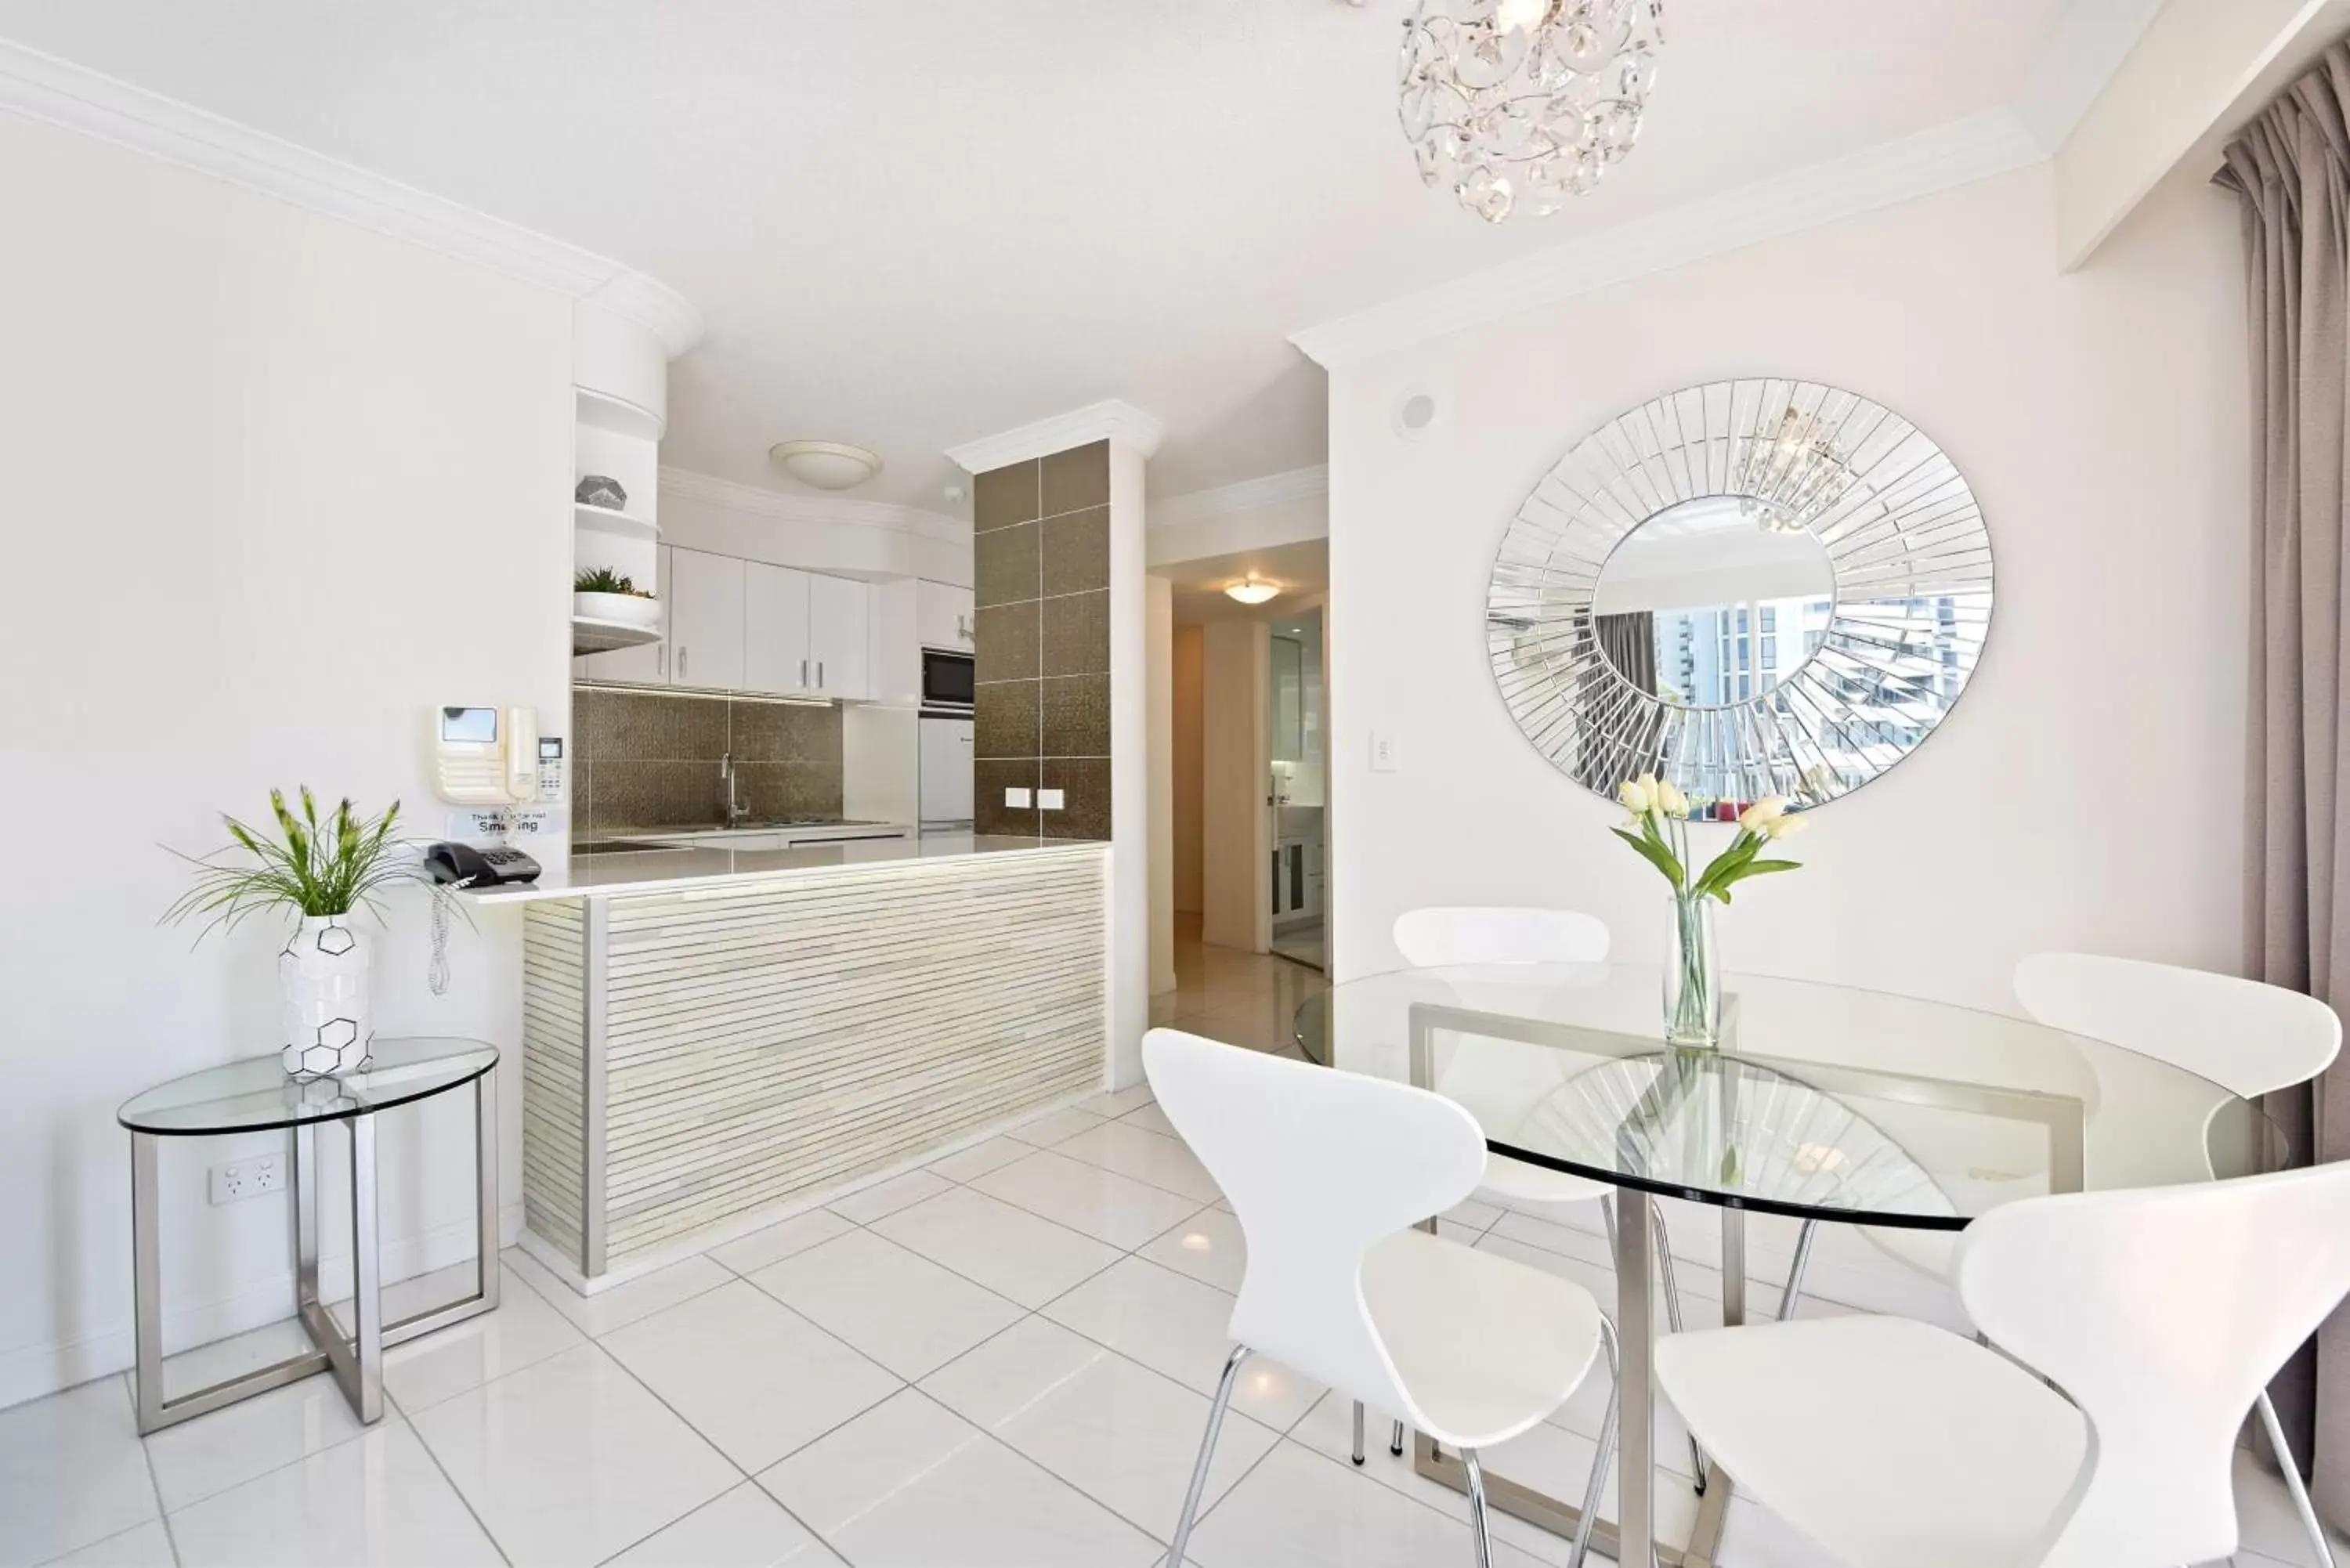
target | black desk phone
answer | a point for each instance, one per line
(468, 867)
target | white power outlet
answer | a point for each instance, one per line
(248, 1177)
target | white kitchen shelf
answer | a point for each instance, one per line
(618, 415)
(605, 520)
(603, 636)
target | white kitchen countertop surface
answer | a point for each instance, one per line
(667, 870)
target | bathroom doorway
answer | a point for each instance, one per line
(1298, 790)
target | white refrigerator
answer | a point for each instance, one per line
(946, 754)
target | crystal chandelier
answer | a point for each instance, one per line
(1792, 472)
(1520, 102)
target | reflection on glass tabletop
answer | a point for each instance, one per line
(1825, 1101)
(255, 1096)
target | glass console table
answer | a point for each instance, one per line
(1824, 1104)
(255, 1096)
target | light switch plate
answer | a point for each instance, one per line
(1048, 800)
(1387, 752)
(1015, 797)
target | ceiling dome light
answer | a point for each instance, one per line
(1249, 591)
(1526, 102)
(827, 465)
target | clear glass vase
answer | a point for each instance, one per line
(1693, 978)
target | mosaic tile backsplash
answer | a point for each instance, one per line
(649, 759)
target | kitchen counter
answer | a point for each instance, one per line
(674, 870)
(713, 1036)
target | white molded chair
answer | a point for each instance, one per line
(1468, 934)
(2248, 1038)
(2161, 1312)
(1329, 1174)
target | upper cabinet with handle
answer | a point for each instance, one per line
(943, 617)
(837, 611)
(775, 655)
(706, 619)
(731, 625)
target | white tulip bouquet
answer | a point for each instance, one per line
(1659, 832)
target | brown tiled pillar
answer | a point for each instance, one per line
(1064, 654)
(1041, 547)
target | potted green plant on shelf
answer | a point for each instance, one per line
(601, 592)
(1659, 831)
(321, 873)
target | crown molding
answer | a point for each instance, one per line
(832, 511)
(42, 87)
(1247, 495)
(2084, 46)
(1956, 153)
(1109, 419)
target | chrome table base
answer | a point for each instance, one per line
(356, 1358)
(1632, 1534)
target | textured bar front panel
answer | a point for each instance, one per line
(783, 1038)
(554, 1021)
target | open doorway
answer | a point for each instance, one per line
(1299, 793)
(1249, 790)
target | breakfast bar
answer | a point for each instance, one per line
(715, 1037)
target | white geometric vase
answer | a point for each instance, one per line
(322, 979)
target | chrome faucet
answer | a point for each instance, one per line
(735, 810)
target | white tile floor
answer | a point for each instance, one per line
(1002, 1360)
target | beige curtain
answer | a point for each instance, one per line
(2292, 168)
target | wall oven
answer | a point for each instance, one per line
(947, 682)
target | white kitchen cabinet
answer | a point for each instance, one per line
(837, 618)
(943, 616)
(706, 620)
(894, 658)
(776, 657)
(647, 664)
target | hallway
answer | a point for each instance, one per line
(1243, 998)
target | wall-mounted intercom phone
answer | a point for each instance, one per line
(484, 757)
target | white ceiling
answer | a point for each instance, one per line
(910, 225)
(1301, 570)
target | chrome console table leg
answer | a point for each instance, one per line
(367, 1277)
(147, 1282)
(356, 1359)
(485, 1191)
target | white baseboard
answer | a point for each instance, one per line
(41, 1369)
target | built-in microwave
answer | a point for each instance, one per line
(947, 681)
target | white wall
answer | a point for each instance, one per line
(1235, 765)
(1159, 635)
(274, 486)
(1132, 830)
(1184, 744)
(2088, 788)
(1257, 515)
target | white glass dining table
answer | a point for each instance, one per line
(1823, 1103)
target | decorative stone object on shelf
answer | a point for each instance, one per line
(596, 489)
(326, 1025)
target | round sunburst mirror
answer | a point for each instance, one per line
(1752, 588)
